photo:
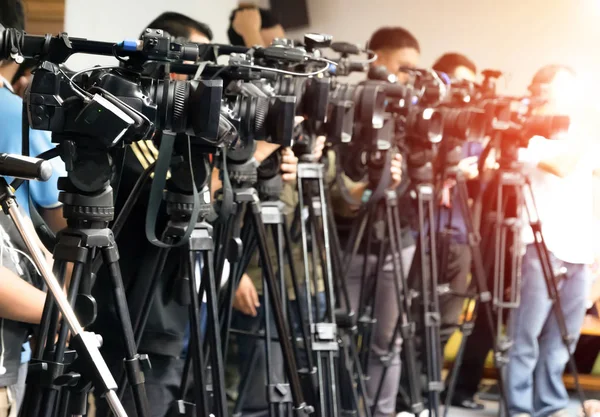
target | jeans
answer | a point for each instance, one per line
(538, 356)
(11, 397)
(255, 401)
(386, 313)
(203, 324)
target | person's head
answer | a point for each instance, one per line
(456, 66)
(182, 27)
(270, 28)
(557, 86)
(11, 16)
(396, 48)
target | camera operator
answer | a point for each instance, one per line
(248, 310)
(20, 302)
(560, 172)
(252, 26)
(163, 336)
(458, 67)
(43, 194)
(451, 224)
(396, 48)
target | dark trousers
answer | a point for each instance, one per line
(162, 386)
(477, 348)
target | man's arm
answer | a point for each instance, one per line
(19, 300)
(247, 24)
(558, 157)
(54, 218)
(561, 165)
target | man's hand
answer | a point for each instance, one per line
(289, 165)
(396, 171)
(246, 297)
(19, 300)
(591, 407)
(319, 146)
(247, 23)
(468, 166)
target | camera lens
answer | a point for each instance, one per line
(426, 125)
(547, 126)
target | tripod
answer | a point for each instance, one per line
(273, 213)
(195, 269)
(352, 380)
(47, 372)
(324, 334)
(510, 180)
(381, 214)
(243, 172)
(460, 196)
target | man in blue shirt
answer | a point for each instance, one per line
(20, 301)
(43, 194)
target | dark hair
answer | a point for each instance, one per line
(267, 20)
(448, 63)
(546, 74)
(393, 38)
(179, 26)
(12, 14)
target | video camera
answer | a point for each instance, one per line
(473, 111)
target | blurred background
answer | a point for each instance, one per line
(514, 36)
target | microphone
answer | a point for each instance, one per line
(25, 167)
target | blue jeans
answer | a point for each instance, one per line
(186, 336)
(538, 356)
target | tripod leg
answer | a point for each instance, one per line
(284, 334)
(133, 366)
(33, 397)
(553, 291)
(431, 316)
(302, 321)
(278, 238)
(336, 253)
(273, 406)
(362, 388)
(50, 398)
(403, 326)
(195, 357)
(238, 266)
(140, 317)
(245, 382)
(47, 314)
(214, 336)
(478, 273)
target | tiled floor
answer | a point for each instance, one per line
(492, 407)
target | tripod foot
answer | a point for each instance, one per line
(304, 410)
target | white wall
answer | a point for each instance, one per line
(515, 36)
(114, 20)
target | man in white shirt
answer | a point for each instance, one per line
(561, 178)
